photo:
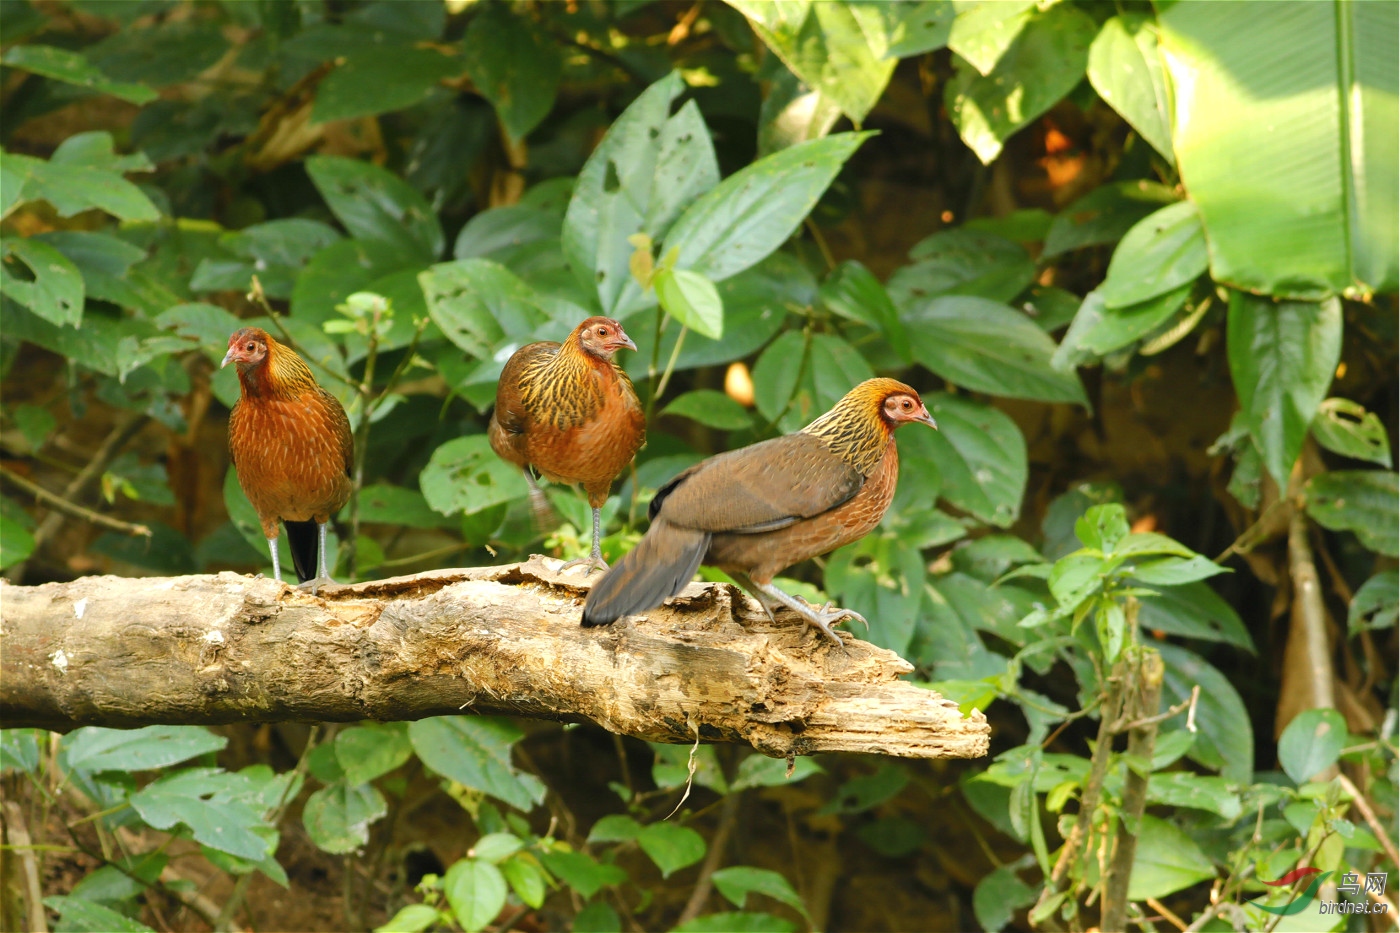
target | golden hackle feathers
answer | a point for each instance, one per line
(856, 428)
(281, 373)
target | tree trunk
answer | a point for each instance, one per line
(125, 652)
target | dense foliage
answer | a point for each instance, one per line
(1143, 275)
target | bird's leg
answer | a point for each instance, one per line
(540, 508)
(594, 560)
(276, 563)
(323, 575)
(767, 595)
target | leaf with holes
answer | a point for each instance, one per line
(52, 287)
(1364, 502)
(475, 752)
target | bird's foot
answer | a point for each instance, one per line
(838, 612)
(314, 584)
(591, 561)
(826, 617)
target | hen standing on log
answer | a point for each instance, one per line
(568, 411)
(754, 511)
(291, 444)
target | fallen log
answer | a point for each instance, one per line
(126, 652)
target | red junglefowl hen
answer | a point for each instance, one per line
(291, 444)
(754, 511)
(569, 412)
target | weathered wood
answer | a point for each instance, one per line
(124, 652)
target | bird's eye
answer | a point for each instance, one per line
(908, 405)
(251, 347)
(602, 332)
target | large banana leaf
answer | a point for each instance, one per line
(1285, 134)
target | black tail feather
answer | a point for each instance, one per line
(659, 567)
(302, 540)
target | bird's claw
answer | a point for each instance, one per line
(591, 561)
(836, 612)
(314, 584)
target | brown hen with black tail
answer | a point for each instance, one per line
(755, 511)
(569, 412)
(290, 441)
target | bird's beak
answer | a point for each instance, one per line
(928, 419)
(228, 357)
(623, 341)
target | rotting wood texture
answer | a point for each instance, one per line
(126, 652)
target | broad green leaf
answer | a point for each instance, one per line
(1225, 739)
(1376, 604)
(526, 880)
(853, 292)
(1126, 69)
(710, 408)
(736, 921)
(815, 380)
(465, 475)
(1282, 357)
(493, 847)
(883, 581)
(1174, 571)
(998, 895)
(828, 47)
(77, 914)
(672, 767)
(980, 455)
(479, 303)
(1116, 327)
(671, 847)
(477, 892)
(73, 185)
(413, 918)
(368, 751)
(201, 799)
(1200, 792)
(866, 791)
(19, 749)
(504, 228)
(96, 749)
(1104, 215)
(597, 916)
(758, 770)
(395, 76)
(377, 205)
(474, 751)
(52, 287)
(394, 505)
(1364, 502)
(581, 872)
(982, 32)
(1042, 64)
(1347, 428)
(1289, 156)
(753, 212)
(793, 113)
(738, 881)
(909, 28)
(513, 66)
(1102, 527)
(16, 542)
(1161, 253)
(275, 251)
(1167, 861)
(187, 46)
(337, 817)
(614, 828)
(987, 347)
(105, 262)
(72, 68)
(1311, 743)
(121, 881)
(692, 300)
(963, 262)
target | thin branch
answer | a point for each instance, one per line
(1146, 674)
(18, 834)
(1167, 915)
(72, 509)
(728, 817)
(1359, 801)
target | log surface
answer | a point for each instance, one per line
(126, 652)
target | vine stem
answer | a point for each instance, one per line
(72, 509)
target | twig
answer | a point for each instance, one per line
(1167, 915)
(257, 297)
(1359, 801)
(1188, 703)
(1146, 673)
(1308, 610)
(1245, 542)
(72, 509)
(820, 240)
(426, 555)
(728, 817)
(18, 835)
(1390, 910)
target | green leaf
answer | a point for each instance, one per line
(1162, 252)
(998, 895)
(275, 251)
(1174, 571)
(479, 303)
(736, 921)
(53, 288)
(105, 262)
(1290, 156)
(19, 749)
(501, 229)
(513, 67)
(1282, 357)
(980, 456)
(826, 46)
(793, 113)
(911, 28)
(337, 817)
(1311, 743)
(1102, 527)
(377, 205)
(474, 751)
(981, 33)
(72, 183)
(710, 408)
(204, 800)
(581, 872)
(738, 881)
(1347, 428)
(465, 475)
(754, 211)
(866, 791)
(413, 918)
(963, 262)
(187, 46)
(394, 505)
(526, 880)
(1376, 604)
(597, 917)
(1200, 792)
(1363, 502)
(614, 828)
(493, 847)
(1225, 739)
(692, 300)
(671, 847)
(1042, 64)
(16, 541)
(392, 77)
(82, 916)
(72, 68)
(96, 749)
(853, 292)
(1116, 327)
(988, 347)
(477, 892)
(1126, 69)
(369, 751)
(758, 770)
(1104, 215)
(1167, 861)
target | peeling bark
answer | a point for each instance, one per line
(126, 652)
